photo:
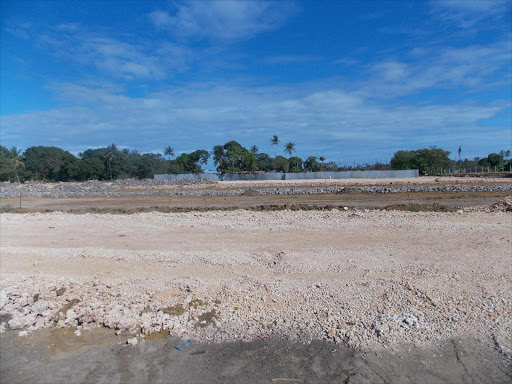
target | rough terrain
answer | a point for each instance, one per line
(135, 196)
(366, 284)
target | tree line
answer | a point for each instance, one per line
(109, 163)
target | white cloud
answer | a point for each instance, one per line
(119, 59)
(467, 13)
(201, 116)
(227, 19)
(471, 68)
(290, 59)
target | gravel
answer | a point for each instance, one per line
(94, 188)
(185, 187)
(371, 279)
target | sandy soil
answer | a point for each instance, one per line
(133, 204)
(360, 268)
(403, 287)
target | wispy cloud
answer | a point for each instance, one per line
(467, 13)
(228, 19)
(119, 59)
(215, 113)
(291, 59)
(347, 61)
(471, 68)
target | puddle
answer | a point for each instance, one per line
(206, 319)
(197, 303)
(176, 310)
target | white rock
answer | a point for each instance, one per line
(23, 334)
(17, 323)
(70, 314)
(4, 299)
(132, 342)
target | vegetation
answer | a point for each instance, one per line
(110, 163)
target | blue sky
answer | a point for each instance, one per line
(351, 80)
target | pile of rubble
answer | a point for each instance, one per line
(94, 188)
(245, 309)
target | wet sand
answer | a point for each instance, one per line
(98, 356)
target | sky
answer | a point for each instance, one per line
(350, 80)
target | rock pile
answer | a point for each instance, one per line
(94, 188)
(504, 205)
(151, 187)
(436, 188)
(248, 309)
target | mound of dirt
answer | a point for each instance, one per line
(420, 208)
(504, 205)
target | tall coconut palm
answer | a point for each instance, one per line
(109, 157)
(254, 150)
(16, 160)
(169, 151)
(321, 158)
(289, 148)
(274, 141)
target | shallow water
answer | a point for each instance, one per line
(98, 356)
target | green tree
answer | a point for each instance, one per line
(109, 157)
(264, 162)
(295, 164)
(492, 160)
(274, 141)
(505, 154)
(311, 164)
(404, 160)
(169, 151)
(191, 162)
(289, 148)
(254, 150)
(425, 159)
(280, 164)
(234, 158)
(44, 163)
(16, 158)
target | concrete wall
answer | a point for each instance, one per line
(295, 176)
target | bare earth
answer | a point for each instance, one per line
(377, 282)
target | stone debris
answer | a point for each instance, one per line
(369, 299)
(124, 187)
(436, 188)
(187, 187)
(504, 205)
(132, 342)
(245, 310)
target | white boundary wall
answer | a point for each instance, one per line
(407, 173)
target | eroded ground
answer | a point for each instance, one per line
(382, 289)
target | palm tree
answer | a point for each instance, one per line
(274, 141)
(16, 160)
(254, 149)
(109, 156)
(169, 151)
(289, 148)
(321, 158)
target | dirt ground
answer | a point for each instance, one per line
(307, 296)
(56, 356)
(134, 204)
